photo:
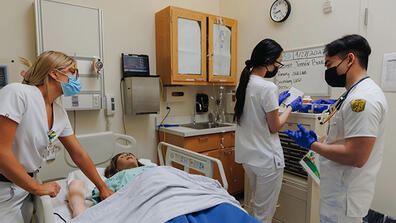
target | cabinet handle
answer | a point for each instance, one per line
(203, 138)
(221, 80)
(190, 79)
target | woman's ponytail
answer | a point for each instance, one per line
(241, 91)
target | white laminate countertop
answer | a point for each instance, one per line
(187, 132)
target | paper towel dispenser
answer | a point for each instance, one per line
(142, 95)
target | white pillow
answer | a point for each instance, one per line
(79, 175)
(147, 162)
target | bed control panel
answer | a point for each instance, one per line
(186, 161)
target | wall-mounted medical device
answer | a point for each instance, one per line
(86, 46)
(141, 95)
(135, 65)
(91, 96)
(3, 76)
(97, 65)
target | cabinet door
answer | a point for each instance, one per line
(227, 139)
(222, 45)
(218, 154)
(235, 171)
(188, 46)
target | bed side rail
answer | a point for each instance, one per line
(43, 210)
(191, 160)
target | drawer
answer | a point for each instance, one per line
(228, 139)
(202, 143)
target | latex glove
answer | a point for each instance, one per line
(283, 96)
(324, 101)
(296, 104)
(302, 137)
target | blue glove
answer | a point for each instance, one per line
(324, 101)
(302, 137)
(283, 96)
(296, 104)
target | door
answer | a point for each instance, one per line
(222, 45)
(235, 171)
(218, 154)
(188, 46)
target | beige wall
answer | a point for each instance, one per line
(308, 26)
(128, 28)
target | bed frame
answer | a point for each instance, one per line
(101, 147)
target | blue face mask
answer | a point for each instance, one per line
(73, 87)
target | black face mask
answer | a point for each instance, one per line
(333, 79)
(271, 74)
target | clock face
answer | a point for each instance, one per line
(280, 10)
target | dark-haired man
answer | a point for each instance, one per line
(352, 151)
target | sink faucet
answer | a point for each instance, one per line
(200, 108)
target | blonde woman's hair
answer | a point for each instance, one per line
(38, 73)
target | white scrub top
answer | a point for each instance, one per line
(254, 144)
(346, 190)
(25, 105)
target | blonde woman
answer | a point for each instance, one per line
(30, 121)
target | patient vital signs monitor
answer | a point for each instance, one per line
(135, 65)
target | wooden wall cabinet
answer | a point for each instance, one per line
(222, 50)
(218, 145)
(189, 52)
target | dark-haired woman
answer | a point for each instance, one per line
(257, 144)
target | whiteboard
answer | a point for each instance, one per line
(304, 69)
(71, 29)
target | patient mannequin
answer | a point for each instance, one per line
(77, 188)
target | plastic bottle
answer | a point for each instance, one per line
(307, 99)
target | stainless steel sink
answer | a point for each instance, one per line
(205, 125)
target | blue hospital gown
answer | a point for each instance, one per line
(119, 180)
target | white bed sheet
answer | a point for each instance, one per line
(60, 205)
(62, 212)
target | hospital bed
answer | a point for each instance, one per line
(102, 147)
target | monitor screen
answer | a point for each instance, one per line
(135, 65)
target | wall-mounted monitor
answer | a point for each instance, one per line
(135, 65)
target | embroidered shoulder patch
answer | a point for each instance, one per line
(358, 105)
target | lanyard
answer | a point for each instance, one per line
(51, 135)
(340, 100)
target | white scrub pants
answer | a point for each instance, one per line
(16, 205)
(265, 185)
(340, 219)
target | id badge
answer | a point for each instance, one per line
(51, 153)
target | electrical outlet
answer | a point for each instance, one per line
(110, 105)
